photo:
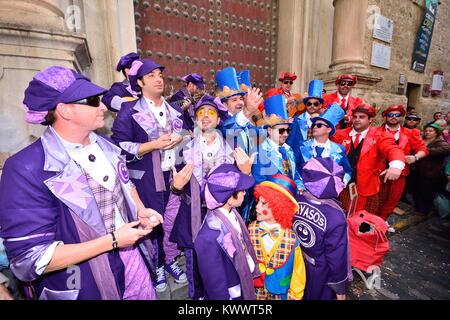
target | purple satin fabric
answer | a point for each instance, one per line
(196, 213)
(34, 117)
(170, 214)
(157, 172)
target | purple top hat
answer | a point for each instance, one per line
(126, 61)
(222, 182)
(56, 85)
(196, 79)
(140, 68)
(323, 178)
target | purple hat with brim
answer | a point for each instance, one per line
(196, 79)
(222, 182)
(56, 85)
(323, 177)
(126, 61)
(140, 68)
(215, 102)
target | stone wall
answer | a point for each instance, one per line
(407, 16)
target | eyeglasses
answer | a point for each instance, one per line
(392, 115)
(319, 125)
(202, 112)
(412, 119)
(91, 101)
(289, 82)
(346, 83)
(315, 104)
(283, 130)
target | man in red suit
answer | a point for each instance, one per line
(414, 148)
(287, 80)
(344, 84)
(368, 149)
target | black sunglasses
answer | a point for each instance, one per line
(90, 101)
(315, 104)
(412, 119)
(319, 125)
(289, 82)
(346, 83)
(283, 130)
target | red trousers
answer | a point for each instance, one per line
(390, 195)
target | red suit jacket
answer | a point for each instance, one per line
(352, 103)
(410, 142)
(377, 148)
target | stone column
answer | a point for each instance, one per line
(348, 34)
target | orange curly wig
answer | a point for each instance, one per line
(283, 209)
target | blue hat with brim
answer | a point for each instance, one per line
(332, 116)
(140, 68)
(275, 111)
(315, 91)
(228, 84)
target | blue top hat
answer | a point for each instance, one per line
(244, 80)
(276, 112)
(228, 83)
(331, 116)
(315, 91)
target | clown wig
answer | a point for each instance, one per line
(283, 209)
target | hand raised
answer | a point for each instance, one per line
(180, 179)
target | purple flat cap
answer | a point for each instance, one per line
(222, 182)
(126, 61)
(196, 79)
(215, 102)
(323, 178)
(56, 85)
(140, 68)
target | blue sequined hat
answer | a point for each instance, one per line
(244, 80)
(331, 116)
(228, 84)
(315, 91)
(275, 111)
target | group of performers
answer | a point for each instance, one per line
(253, 190)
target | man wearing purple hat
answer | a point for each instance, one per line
(68, 210)
(148, 131)
(121, 91)
(226, 258)
(184, 98)
(321, 228)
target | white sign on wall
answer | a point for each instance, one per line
(381, 55)
(383, 28)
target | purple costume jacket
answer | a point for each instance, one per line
(177, 99)
(218, 262)
(119, 93)
(134, 125)
(321, 229)
(38, 186)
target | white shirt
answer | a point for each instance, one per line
(231, 216)
(276, 146)
(326, 146)
(396, 134)
(308, 119)
(209, 151)
(341, 97)
(158, 111)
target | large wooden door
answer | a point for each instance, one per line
(204, 36)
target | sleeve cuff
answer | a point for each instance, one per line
(397, 164)
(241, 119)
(4, 280)
(43, 262)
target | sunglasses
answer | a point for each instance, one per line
(289, 82)
(346, 83)
(91, 101)
(319, 125)
(315, 104)
(392, 115)
(412, 119)
(210, 112)
(283, 130)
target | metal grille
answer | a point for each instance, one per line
(204, 36)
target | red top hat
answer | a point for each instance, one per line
(367, 109)
(400, 108)
(348, 77)
(287, 75)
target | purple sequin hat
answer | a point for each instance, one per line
(56, 85)
(196, 79)
(215, 102)
(140, 68)
(222, 182)
(126, 61)
(323, 178)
